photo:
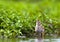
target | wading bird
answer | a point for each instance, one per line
(39, 29)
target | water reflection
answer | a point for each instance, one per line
(30, 40)
(39, 40)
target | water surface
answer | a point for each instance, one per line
(31, 40)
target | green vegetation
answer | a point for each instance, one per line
(18, 18)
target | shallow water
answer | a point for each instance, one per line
(30, 40)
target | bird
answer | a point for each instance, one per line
(39, 29)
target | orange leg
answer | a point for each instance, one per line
(42, 36)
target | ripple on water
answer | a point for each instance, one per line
(30, 40)
(44, 40)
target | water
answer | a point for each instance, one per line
(31, 40)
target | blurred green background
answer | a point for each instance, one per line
(18, 17)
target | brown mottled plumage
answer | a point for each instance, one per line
(39, 29)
